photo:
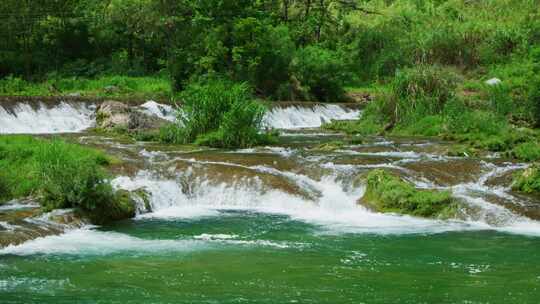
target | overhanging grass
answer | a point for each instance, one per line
(23, 160)
(59, 175)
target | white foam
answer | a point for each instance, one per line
(62, 118)
(298, 117)
(335, 209)
(93, 242)
(16, 205)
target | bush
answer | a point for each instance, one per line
(217, 113)
(500, 99)
(4, 188)
(529, 151)
(421, 91)
(527, 181)
(321, 72)
(451, 45)
(59, 175)
(71, 179)
(378, 51)
(534, 99)
(388, 193)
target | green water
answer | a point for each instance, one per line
(250, 257)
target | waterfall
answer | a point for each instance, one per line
(26, 118)
(68, 117)
(300, 116)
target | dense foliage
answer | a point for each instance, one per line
(284, 49)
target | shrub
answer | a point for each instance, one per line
(421, 91)
(388, 193)
(60, 175)
(451, 45)
(527, 181)
(71, 179)
(217, 113)
(534, 99)
(500, 99)
(321, 72)
(378, 51)
(529, 151)
(4, 188)
(473, 121)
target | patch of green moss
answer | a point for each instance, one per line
(388, 193)
(329, 146)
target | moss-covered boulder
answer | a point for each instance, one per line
(386, 192)
(528, 180)
(122, 206)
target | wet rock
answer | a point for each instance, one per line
(114, 115)
(24, 224)
(446, 172)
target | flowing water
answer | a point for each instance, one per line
(281, 224)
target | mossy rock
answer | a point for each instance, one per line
(386, 192)
(123, 206)
(144, 196)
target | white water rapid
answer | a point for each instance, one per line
(64, 117)
(299, 116)
(26, 118)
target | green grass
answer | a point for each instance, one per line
(59, 175)
(218, 113)
(527, 181)
(388, 193)
(121, 87)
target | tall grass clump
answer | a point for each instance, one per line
(59, 175)
(218, 113)
(71, 177)
(422, 91)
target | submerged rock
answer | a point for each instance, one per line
(24, 223)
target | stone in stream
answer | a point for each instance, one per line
(386, 192)
(114, 115)
(22, 224)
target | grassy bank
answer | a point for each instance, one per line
(116, 87)
(59, 175)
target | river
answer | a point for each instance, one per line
(281, 224)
